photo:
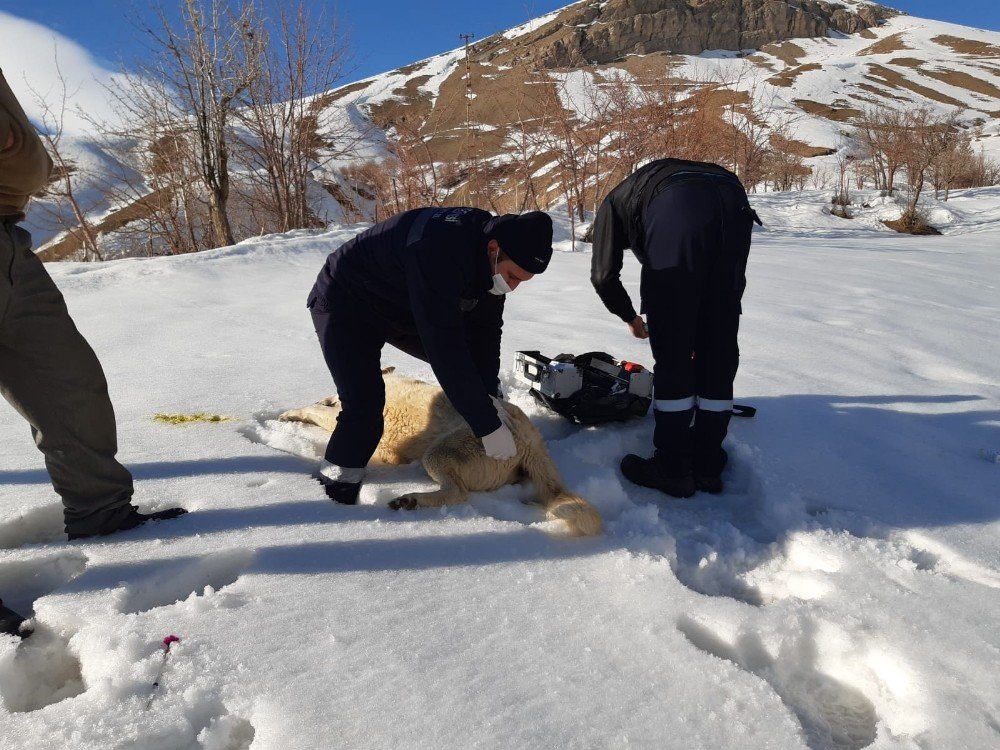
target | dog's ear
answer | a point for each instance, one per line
(387, 370)
(329, 401)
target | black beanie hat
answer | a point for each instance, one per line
(524, 238)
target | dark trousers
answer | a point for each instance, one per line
(351, 336)
(697, 243)
(52, 377)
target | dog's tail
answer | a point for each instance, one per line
(559, 503)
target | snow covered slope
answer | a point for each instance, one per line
(816, 85)
(843, 592)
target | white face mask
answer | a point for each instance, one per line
(500, 285)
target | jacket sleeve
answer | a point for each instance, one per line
(610, 241)
(483, 329)
(434, 281)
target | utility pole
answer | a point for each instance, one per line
(468, 78)
(471, 159)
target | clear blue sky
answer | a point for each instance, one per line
(386, 34)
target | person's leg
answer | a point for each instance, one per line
(672, 321)
(679, 227)
(717, 351)
(51, 376)
(716, 359)
(352, 348)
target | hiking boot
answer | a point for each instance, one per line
(647, 472)
(711, 485)
(134, 519)
(345, 493)
(10, 622)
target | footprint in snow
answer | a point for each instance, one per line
(929, 555)
(38, 672)
(22, 582)
(227, 732)
(833, 715)
(171, 581)
(39, 525)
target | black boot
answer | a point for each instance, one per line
(10, 622)
(709, 484)
(345, 493)
(710, 458)
(648, 472)
(134, 519)
(708, 474)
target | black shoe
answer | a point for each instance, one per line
(345, 493)
(711, 485)
(646, 472)
(134, 519)
(10, 622)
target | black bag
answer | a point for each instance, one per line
(590, 388)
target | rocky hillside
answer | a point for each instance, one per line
(818, 65)
(809, 67)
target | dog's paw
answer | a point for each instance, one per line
(406, 502)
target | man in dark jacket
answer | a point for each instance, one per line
(48, 372)
(430, 282)
(689, 224)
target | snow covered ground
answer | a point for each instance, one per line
(843, 592)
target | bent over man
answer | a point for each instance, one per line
(430, 282)
(48, 372)
(689, 224)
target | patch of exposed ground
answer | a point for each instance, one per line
(907, 62)
(408, 103)
(788, 52)
(880, 92)
(964, 81)
(895, 79)
(969, 47)
(830, 112)
(763, 62)
(72, 242)
(787, 77)
(807, 150)
(886, 46)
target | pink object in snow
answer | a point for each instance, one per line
(170, 639)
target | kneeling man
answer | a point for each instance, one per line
(430, 282)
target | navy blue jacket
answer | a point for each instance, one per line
(620, 224)
(426, 273)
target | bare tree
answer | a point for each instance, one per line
(289, 129)
(191, 85)
(882, 133)
(930, 135)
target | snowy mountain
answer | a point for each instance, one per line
(841, 593)
(810, 66)
(817, 65)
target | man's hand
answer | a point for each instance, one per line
(499, 444)
(638, 328)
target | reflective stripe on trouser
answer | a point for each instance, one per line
(703, 404)
(51, 376)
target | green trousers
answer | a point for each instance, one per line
(51, 376)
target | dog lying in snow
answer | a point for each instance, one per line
(421, 424)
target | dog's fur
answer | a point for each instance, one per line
(421, 424)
